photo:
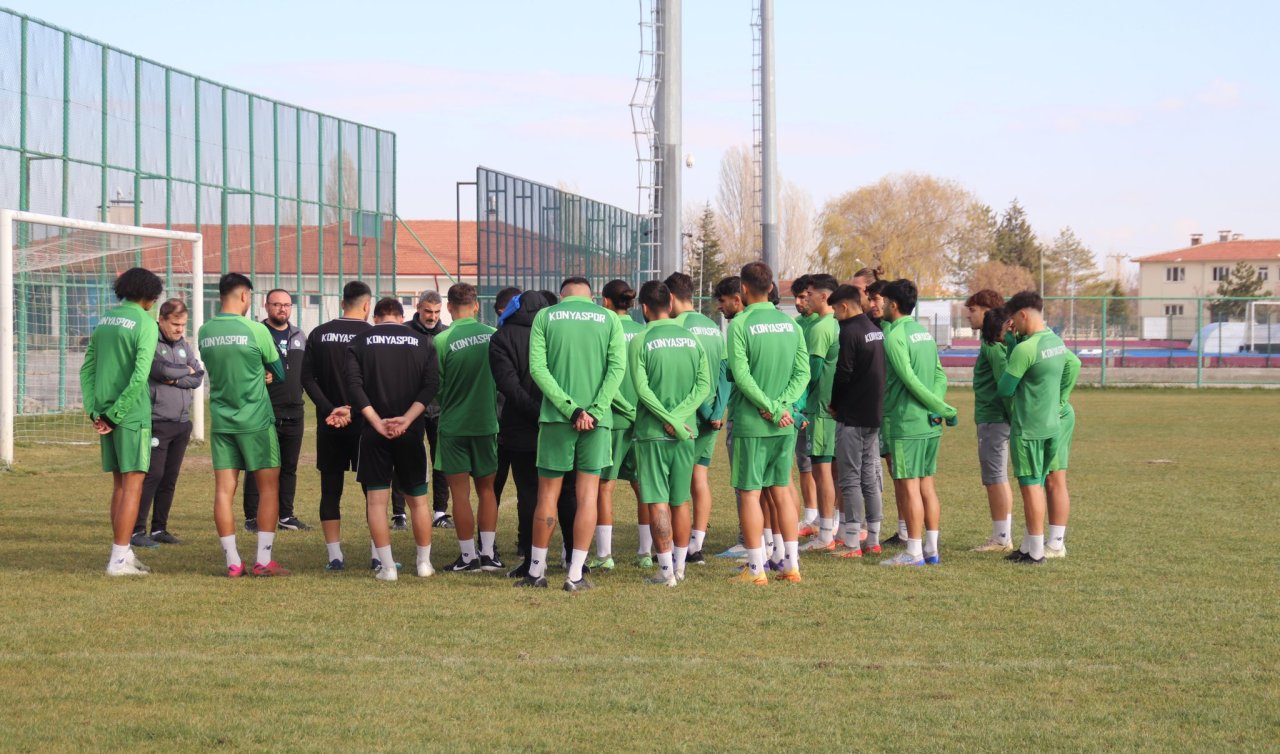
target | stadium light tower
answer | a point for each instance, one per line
(768, 142)
(668, 111)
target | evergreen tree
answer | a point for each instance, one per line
(1243, 282)
(1016, 242)
(704, 260)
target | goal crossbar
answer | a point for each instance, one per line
(8, 219)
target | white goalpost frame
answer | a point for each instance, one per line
(8, 356)
(1252, 320)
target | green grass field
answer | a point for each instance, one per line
(1158, 632)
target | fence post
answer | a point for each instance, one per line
(1199, 341)
(1103, 379)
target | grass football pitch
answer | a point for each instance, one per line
(1157, 633)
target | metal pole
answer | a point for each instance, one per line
(1199, 341)
(1103, 378)
(670, 134)
(768, 142)
(8, 407)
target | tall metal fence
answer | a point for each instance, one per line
(532, 236)
(1194, 342)
(297, 199)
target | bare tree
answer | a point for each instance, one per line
(912, 225)
(797, 232)
(738, 225)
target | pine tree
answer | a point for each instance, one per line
(1243, 282)
(1016, 242)
(704, 261)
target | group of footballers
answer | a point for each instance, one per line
(568, 396)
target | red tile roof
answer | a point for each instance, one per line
(1259, 250)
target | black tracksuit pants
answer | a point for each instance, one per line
(171, 439)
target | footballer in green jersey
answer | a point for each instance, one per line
(618, 297)
(823, 345)
(113, 384)
(1034, 379)
(915, 384)
(672, 379)
(711, 414)
(241, 359)
(770, 367)
(577, 356)
(990, 415)
(1055, 483)
(468, 434)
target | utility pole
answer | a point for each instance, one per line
(669, 105)
(769, 146)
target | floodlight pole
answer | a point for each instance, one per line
(768, 143)
(670, 102)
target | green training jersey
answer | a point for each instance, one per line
(1070, 373)
(468, 395)
(769, 364)
(886, 429)
(988, 408)
(712, 341)
(113, 377)
(1037, 365)
(805, 322)
(914, 381)
(824, 349)
(577, 356)
(237, 353)
(624, 403)
(672, 379)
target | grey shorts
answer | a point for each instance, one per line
(804, 443)
(993, 452)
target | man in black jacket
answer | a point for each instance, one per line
(857, 403)
(392, 376)
(426, 320)
(518, 425)
(286, 402)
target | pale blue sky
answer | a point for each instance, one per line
(1136, 123)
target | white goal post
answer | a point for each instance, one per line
(49, 245)
(1262, 333)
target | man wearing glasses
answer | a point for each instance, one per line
(286, 402)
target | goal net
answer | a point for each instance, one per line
(1263, 327)
(56, 277)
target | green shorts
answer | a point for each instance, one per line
(1062, 453)
(476, 455)
(760, 462)
(562, 449)
(624, 458)
(248, 451)
(666, 471)
(914, 457)
(822, 437)
(126, 450)
(705, 446)
(1031, 459)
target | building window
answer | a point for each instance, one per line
(1175, 274)
(1262, 273)
(1221, 273)
(1173, 310)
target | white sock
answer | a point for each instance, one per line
(931, 542)
(468, 547)
(486, 543)
(902, 528)
(665, 566)
(120, 553)
(228, 549)
(873, 533)
(1057, 537)
(1001, 530)
(839, 516)
(681, 554)
(646, 540)
(1035, 545)
(1026, 535)
(537, 561)
(604, 541)
(373, 550)
(810, 515)
(335, 550)
(767, 540)
(576, 560)
(755, 560)
(424, 554)
(385, 556)
(266, 539)
(792, 550)
(914, 549)
(438, 515)
(826, 530)
(850, 535)
(695, 540)
(779, 549)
